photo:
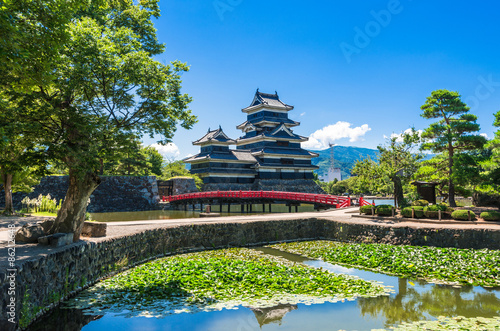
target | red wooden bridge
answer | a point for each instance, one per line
(324, 200)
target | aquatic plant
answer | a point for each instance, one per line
(220, 279)
(443, 265)
(458, 323)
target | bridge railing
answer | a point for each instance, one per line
(324, 199)
(363, 202)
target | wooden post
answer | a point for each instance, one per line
(373, 211)
(229, 207)
(201, 206)
(220, 207)
(263, 207)
(439, 214)
(468, 215)
(269, 208)
(296, 208)
(412, 212)
(250, 207)
(289, 208)
(242, 208)
(392, 209)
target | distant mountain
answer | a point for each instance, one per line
(345, 158)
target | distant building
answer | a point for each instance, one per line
(268, 155)
(333, 173)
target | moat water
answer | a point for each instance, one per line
(412, 300)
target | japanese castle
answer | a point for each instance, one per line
(268, 156)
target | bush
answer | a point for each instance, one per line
(432, 211)
(419, 211)
(366, 209)
(422, 203)
(384, 210)
(490, 215)
(462, 214)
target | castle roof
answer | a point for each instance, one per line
(231, 155)
(214, 136)
(266, 100)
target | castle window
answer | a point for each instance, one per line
(283, 143)
(286, 161)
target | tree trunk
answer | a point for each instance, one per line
(451, 187)
(71, 216)
(398, 191)
(7, 186)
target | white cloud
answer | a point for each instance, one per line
(321, 138)
(484, 135)
(168, 151)
(399, 136)
(302, 114)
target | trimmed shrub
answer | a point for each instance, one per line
(419, 211)
(462, 215)
(490, 215)
(366, 209)
(422, 203)
(384, 210)
(432, 211)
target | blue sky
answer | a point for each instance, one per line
(367, 64)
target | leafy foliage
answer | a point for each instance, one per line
(222, 278)
(420, 202)
(367, 209)
(447, 265)
(458, 323)
(463, 214)
(417, 210)
(490, 215)
(397, 163)
(453, 133)
(178, 169)
(432, 211)
(384, 210)
(105, 87)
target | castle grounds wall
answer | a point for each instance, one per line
(47, 279)
(114, 194)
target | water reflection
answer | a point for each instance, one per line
(412, 300)
(272, 314)
(422, 300)
(65, 320)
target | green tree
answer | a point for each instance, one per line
(453, 133)
(18, 171)
(106, 86)
(177, 168)
(491, 166)
(33, 33)
(435, 170)
(398, 162)
(368, 177)
(154, 159)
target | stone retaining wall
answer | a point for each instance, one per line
(41, 283)
(115, 193)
